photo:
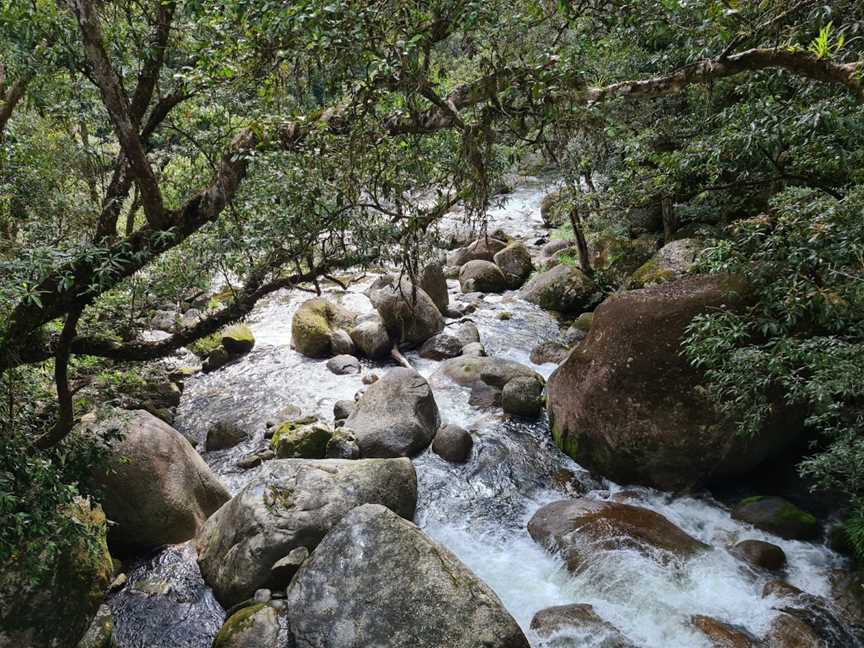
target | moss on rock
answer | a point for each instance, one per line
(238, 339)
(295, 440)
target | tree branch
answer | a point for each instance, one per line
(118, 108)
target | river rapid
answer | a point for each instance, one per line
(478, 510)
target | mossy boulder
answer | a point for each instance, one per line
(294, 440)
(778, 516)
(564, 288)
(57, 610)
(255, 626)
(314, 323)
(584, 322)
(627, 404)
(671, 262)
(619, 256)
(238, 339)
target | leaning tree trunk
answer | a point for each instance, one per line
(581, 243)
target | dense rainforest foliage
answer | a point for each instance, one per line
(147, 146)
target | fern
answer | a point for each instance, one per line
(825, 45)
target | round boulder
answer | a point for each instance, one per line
(259, 625)
(515, 262)
(564, 288)
(469, 369)
(482, 276)
(377, 580)
(238, 339)
(156, 489)
(293, 503)
(313, 325)
(396, 417)
(628, 405)
(453, 444)
(301, 440)
(342, 365)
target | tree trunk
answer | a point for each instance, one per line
(581, 243)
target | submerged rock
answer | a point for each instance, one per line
(377, 580)
(564, 288)
(778, 516)
(582, 527)
(760, 554)
(566, 626)
(722, 634)
(156, 489)
(293, 503)
(314, 323)
(396, 417)
(628, 405)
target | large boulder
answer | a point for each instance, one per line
(56, 611)
(409, 314)
(670, 262)
(483, 249)
(433, 281)
(627, 404)
(566, 626)
(396, 417)
(371, 338)
(441, 347)
(581, 528)
(293, 503)
(482, 276)
(314, 324)
(155, 488)
(564, 288)
(515, 262)
(377, 580)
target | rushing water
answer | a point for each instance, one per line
(478, 510)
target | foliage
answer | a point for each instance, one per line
(803, 340)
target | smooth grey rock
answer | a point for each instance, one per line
(564, 288)
(292, 503)
(466, 370)
(482, 276)
(342, 409)
(342, 365)
(371, 338)
(377, 580)
(453, 444)
(409, 314)
(156, 489)
(341, 343)
(397, 416)
(441, 347)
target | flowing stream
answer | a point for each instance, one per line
(478, 510)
